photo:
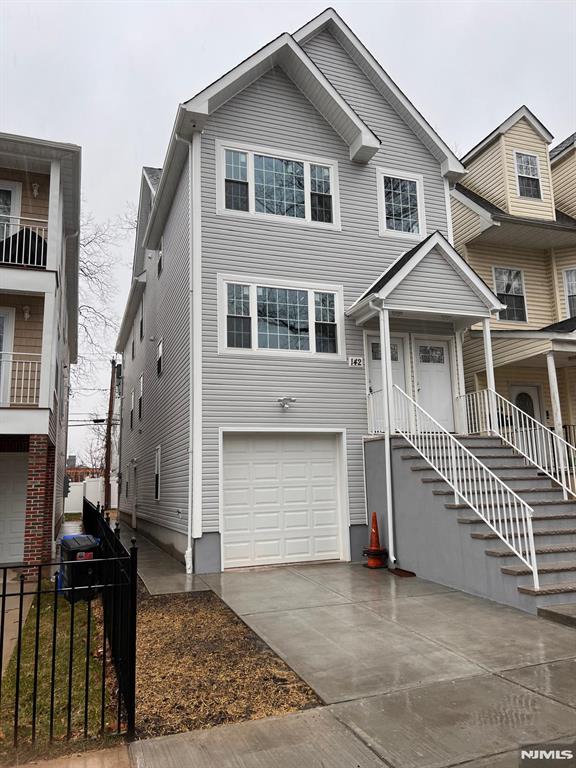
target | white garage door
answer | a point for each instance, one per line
(13, 480)
(280, 495)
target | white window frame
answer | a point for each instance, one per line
(516, 269)
(157, 471)
(160, 356)
(405, 176)
(273, 282)
(16, 205)
(517, 152)
(9, 315)
(250, 150)
(140, 396)
(132, 403)
(566, 294)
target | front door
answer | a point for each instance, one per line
(434, 380)
(375, 374)
(527, 399)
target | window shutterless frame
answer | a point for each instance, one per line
(569, 290)
(497, 267)
(384, 230)
(271, 282)
(282, 154)
(517, 152)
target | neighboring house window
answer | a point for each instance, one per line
(10, 205)
(291, 318)
(159, 352)
(157, 459)
(528, 175)
(570, 283)
(132, 409)
(140, 395)
(132, 347)
(126, 488)
(160, 262)
(269, 184)
(401, 199)
(510, 291)
(141, 320)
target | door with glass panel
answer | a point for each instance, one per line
(434, 380)
(376, 409)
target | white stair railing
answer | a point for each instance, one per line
(542, 447)
(473, 483)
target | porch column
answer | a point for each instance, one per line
(490, 380)
(554, 393)
(388, 416)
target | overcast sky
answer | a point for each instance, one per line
(109, 76)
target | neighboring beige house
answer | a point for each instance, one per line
(513, 222)
(39, 227)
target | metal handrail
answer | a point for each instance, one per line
(473, 483)
(539, 445)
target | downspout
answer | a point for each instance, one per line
(194, 530)
(387, 446)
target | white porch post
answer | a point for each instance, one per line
(387, 413)
(490, 380)
(554, 393)
(461, 415)
(54, 250)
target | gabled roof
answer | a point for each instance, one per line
(331, 21)
(287, 54)
(563, 148)
(401, 268)
(522, 113)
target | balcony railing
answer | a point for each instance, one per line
(19, 379)
(23, 242)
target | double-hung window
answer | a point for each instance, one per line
(401, 203)
(157, 461)
(159, 356)
(132, 409)
(528, 174)
(510, 290)
(272, 184)
(570, 286)
(264, 316)
(140, 395)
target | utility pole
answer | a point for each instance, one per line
(108, 451)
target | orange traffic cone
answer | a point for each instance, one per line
(377, 556)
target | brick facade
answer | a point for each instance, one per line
(39, 500)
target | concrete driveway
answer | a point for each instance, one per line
(414, 675)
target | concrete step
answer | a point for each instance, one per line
(552, 537)
(478, 451)
(545, 505)
(514, 468)
(566, 588)
(563, 566)
(527, 493)
(493, 457)
(556, 519)
(550, 552)
(562, 614)
(514, 482)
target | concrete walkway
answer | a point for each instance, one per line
(414, 675)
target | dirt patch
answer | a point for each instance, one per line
(199, 665)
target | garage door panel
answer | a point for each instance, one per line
(280, 499)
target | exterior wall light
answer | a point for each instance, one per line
(286, 402)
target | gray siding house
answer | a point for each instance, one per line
(295, 299)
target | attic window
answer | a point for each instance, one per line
(528, 175)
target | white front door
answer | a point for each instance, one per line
(375, 374)
(527, 399)
(13, 484)
(281, 499)
(434, 380)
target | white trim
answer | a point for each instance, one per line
(517, 269)
(532, 385)
(24, 421)
(404, 176)
(15, 187)
(449, 227)
(9, 314)
(342, 460)
(195, 180)
(384, 84)
(250, 150)
(311, 287)
(515, 153)
(566, 294)
(523, 112)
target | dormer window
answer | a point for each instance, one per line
(528, 174)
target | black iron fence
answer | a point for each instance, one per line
(68, 643)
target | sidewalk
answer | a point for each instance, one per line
(105, 758)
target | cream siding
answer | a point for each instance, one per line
(523, 137)
(466, 225)
(564, 180)
(420, 289)
(32, 207)
(564, 258)
(537, 274)
(486, 174)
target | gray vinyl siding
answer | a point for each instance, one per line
(240, 391)
(165, 420)
(435, 284)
